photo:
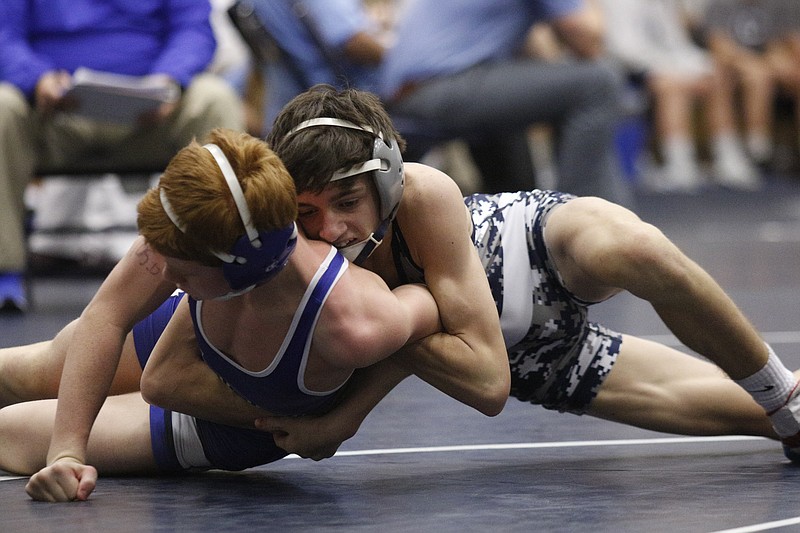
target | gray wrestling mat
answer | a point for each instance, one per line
(422, 462)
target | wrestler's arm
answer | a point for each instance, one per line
(468, 359)
(133, 289)
(318, 437)
(361, 323)
(176, 378)
(359, 330)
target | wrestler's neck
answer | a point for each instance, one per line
(300, 269)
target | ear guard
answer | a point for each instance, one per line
(254, 265)
(256, 256)
(386, 170)
(390, 178)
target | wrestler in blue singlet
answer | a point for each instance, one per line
(182, 442)
(558, 358)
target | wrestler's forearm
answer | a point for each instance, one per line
(197, 391)
(319, 436)
(463, 372)
(85, 383)
(365, 390)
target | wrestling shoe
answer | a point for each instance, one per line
(786, 421)
(791, 448)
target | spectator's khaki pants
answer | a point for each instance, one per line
(28, 141)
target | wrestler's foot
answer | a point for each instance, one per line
(791, 448)
(786, 421)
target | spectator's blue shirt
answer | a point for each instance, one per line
(134, 37)
(326, 23)
(441, 37)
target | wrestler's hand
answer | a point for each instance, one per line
(64, 480)
(303, 436)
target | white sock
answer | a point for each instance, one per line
(772, 388)
(727, 147)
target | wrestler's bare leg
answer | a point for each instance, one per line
(659, 388)
(119, 442)
(33, 371)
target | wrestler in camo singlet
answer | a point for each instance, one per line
(558, 358)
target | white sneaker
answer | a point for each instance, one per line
(737, 173)
(731, 166)
(675, 177)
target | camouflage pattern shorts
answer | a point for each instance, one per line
(559, 359)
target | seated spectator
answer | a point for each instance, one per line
(328, 41)
(652, 41)
(337, 43)
(758, 43)
(457, 67)
(40, 50)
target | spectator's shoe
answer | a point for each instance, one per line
(682, 177)
(13, 296)
(737, 173)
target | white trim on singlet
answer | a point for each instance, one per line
(188, 447)
(517, 313)
(287, 339)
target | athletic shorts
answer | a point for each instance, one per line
(558, 358)
(182, 442)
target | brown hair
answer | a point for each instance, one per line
(201, 200)
(312, 155)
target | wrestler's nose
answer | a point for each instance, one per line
(332, 228)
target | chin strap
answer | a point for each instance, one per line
(359, 252)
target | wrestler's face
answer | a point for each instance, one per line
(199, 281)
(344, 213)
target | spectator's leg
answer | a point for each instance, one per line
(16, 169)
(580, 98)
(208, 103)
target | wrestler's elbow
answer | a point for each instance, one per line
(155, 390)
(495, 395)
(492, 390)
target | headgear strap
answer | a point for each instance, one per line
(238, 199)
